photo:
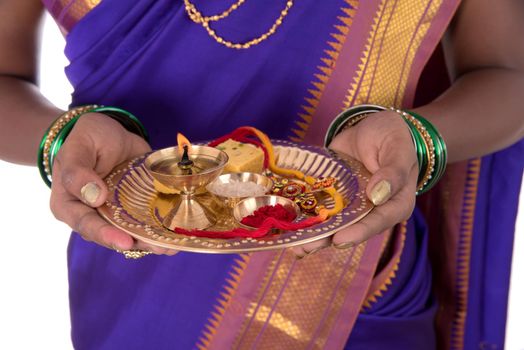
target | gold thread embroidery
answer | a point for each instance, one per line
(370, 59)
(80, 8)
(270, 271)
(68, 12)
(464, 254)
(223, 302)
(277, 320)
(382, 78)
(295, 281)
(425, 24)
(340, 297)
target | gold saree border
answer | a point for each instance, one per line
(378, 70)
(385, 64)
(224, 300)
(67, 13)
(377, 74)
(275, 320)
(369, 55)
(464, 254)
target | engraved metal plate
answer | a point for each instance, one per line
(137, 208)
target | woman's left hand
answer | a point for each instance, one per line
(383, 143)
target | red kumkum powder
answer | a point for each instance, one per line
(269, 211)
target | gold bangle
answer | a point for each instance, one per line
(354, 120)
(55, 128)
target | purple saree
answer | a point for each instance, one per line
(149, 58)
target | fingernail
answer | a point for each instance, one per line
(90, 193)
(381, 192)
(345, 245)
(314, 251)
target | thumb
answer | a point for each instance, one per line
(74, 170)
(385, 183)
(397, 167)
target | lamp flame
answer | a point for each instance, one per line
(182, 141)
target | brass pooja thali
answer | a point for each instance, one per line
(138, 208)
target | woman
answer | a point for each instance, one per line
(167, 63)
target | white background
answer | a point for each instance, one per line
(33, 299)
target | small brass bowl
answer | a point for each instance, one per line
(248, 206)
(231, 201)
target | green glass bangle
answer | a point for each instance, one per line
(355, 114)
(440, 151)
(40, 159)
(60, 139)
(48, 138)
(425, 143)
(429, 146)
(337, 125)
(422, 152)
(420, 149)
(128, 120)
(440, 146)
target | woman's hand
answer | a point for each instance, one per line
(383, 143)
(94, 147)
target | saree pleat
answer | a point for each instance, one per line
(97, 59)
(411, 289)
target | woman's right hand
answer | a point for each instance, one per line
(95, 146)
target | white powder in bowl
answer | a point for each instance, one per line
(238, 189)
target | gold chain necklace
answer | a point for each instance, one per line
(198, 18)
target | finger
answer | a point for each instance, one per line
(345, 142)
(394, 174)
(303, 250)
(89, 224)
(171, 252)
(137, 146)
(73, 171)
(154, 249)
(92, 227)
(383, 217)
(130, 146)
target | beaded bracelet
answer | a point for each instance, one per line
(56, 134)
(429, 145)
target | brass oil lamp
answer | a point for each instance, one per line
(186, 168)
